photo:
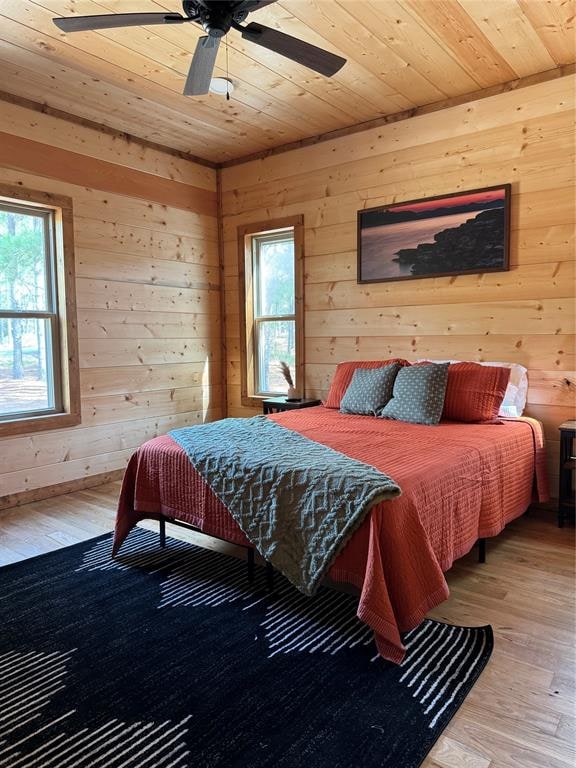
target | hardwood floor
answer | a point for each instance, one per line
(520, 714)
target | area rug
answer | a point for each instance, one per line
(170, 659)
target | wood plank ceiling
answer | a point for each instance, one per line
(401, 54)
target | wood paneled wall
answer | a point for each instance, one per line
(526, 315)
(148, 294)
(148, 276)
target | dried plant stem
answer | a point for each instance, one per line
(285, 371)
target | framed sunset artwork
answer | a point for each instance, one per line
(456, 234)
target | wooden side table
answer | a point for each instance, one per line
(566, 500)
(277, 404)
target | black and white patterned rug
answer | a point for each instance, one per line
(170, 659)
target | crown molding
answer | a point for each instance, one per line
(494, 90)
(46, 109)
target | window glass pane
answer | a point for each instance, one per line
(276, 341)
(275, 288)
(25, 375)
(23, 261)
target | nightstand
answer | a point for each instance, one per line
(566, 502)
(277, 404)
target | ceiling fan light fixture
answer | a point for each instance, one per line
(221, 86)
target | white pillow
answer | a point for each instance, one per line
(515, 397)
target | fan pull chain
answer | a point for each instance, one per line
(227, 76)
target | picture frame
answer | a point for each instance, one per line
(453, 234)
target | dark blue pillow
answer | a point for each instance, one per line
(418, 395)
(369, 390)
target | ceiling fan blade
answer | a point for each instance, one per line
(304, 53)
(112, 20)
(202, 66)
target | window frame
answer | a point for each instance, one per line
(249, 323)
(61, 288)
(260, 319)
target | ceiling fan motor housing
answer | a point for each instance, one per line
(216, 17)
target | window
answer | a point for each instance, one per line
(270, 307)
(38, 357)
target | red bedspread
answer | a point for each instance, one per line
(460, 482)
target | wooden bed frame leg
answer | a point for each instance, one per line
(162, 524)
(270, 577)
(481, 550)
(250, 562)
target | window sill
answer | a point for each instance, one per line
(254, 401)
(39, 424)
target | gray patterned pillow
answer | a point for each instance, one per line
(369, 390)
(418, 395)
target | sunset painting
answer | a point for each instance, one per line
(449, 235)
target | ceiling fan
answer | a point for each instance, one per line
(216, 17)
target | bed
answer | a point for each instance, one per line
(460, 483)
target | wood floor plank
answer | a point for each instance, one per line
(448, 753)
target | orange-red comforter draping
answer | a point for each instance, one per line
(460, 482)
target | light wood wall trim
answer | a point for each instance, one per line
(38, 424)
(220, 222)
(46, 109)
(68, 315)
(270, 225)
(35, 196)
(37, 494)
(493, 90)
(71, 167)
(246, 318)
(299, 305)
